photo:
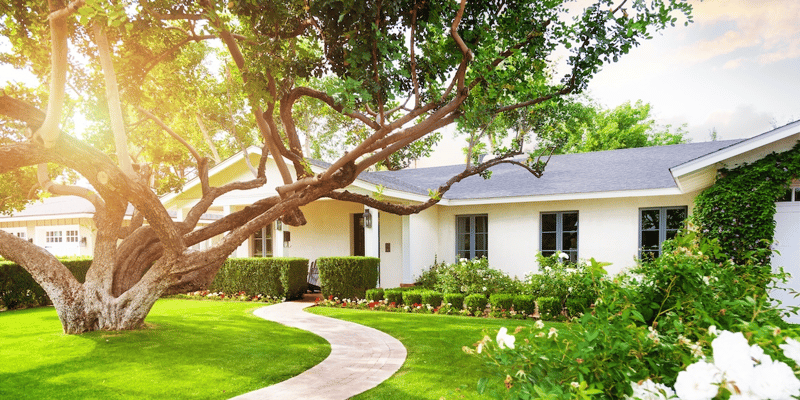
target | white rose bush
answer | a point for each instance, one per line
(689, 327)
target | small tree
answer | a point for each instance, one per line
(400, 70)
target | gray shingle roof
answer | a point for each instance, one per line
(604, 171)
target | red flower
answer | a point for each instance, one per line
(330, 297)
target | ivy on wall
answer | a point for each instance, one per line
(739, 209)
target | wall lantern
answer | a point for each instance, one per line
(367, 219)
(83, 241)
(278, 225)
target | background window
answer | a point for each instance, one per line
(262, 242)
(53, 237)
(657, 225)
(72, 236)
(560, 234)
(472, 236)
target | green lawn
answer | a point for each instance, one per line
(436, 366)
(190, 350)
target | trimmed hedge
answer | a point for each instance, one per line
(432, 297)
(455, 300)
(549, 307)
(476, 303)
(375, 294)
(524, 303)
(347, 277)
(412, 297)
(501, 301)
(18, 289)
(393, 296)
(277, 277)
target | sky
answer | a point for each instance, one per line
(736, 69)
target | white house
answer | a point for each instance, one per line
(63, 225)
(609, 205)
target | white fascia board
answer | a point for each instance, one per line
(564, 197)
(399, 194)
(735, 150)
(46, 217)
(219, 167)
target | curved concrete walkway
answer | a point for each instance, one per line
(361, 357)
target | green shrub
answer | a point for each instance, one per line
(393, 296)
(576, 306)
(501, 301)
(412, 297)
(476, 303)
(549, 307)
(277, 277)
(347, 277)
(645, 326)
(375, 294)
(432, 297)
(430, 277)
(524, 303)
(18, 289)
(456, 300)
(468, 277)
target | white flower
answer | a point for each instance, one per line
(712, 330)
(791, 349)
(553, 332)
(700, 381)
(774, 380)
(757, 354)
(504, 339)
(731, 351)
(649, 390)
(575, 384)
(538, 324)
(563, 256)
(570, 271)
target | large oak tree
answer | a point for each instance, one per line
(398, 70)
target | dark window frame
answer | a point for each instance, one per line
(473, 252)
(559, 232)
(663, 231)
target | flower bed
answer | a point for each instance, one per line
(221, 296)
(417, 308)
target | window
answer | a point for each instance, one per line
(657, 225)
(560, 234)
(472, 236)
(262, 242)
(72, 236)
(792, 194)
(20, 235)
(53, 237)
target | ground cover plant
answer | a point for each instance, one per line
(188, 349)
(436, 367)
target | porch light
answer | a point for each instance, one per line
(367, 219)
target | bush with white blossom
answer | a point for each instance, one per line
(688, 328)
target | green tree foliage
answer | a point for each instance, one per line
(581, 127)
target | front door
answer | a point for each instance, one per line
(358, 235)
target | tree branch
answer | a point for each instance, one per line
(49, 130)
(114, 107)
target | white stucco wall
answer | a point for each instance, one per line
(328, 231)
(608, 230)
(424, 237)
(392, 261)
